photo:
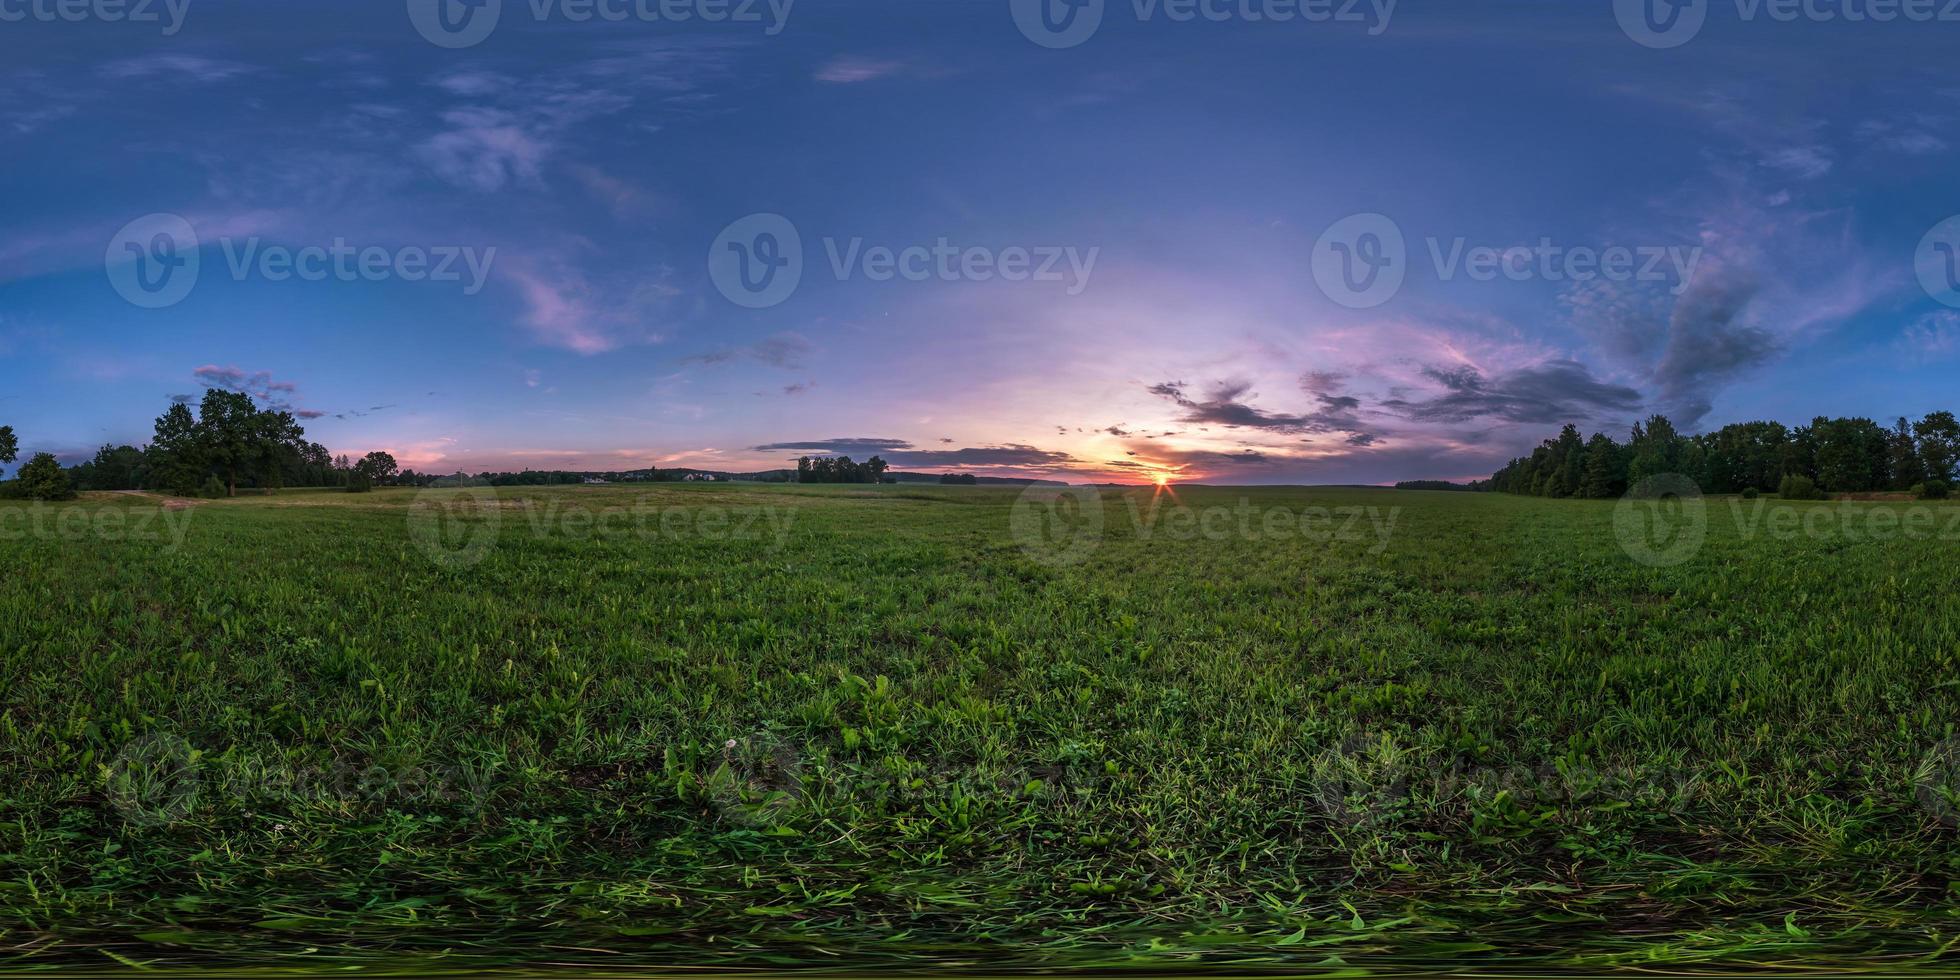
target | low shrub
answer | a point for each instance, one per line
(44, 479)
(1750, 493)
(1932, 490)
(1796, 487)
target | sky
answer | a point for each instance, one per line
(1235, 241)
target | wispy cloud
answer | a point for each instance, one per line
(1936, 334)
(784, 350)
(848, 70)
(175, 67)
(484, 149)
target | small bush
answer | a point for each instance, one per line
(1932, 490)
(44, 479)
(359, 482)
(213, 488)
(1796, 487)
(1750, 493)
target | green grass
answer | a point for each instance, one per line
(870, 725)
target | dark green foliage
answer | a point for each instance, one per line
(113, 468)
(840, 469)
(1838, 455)
(177, 459)
(1852, 455)
(1939, 445)
(1655, 450)
(1434, 485)
(1797, 487)
(9, 445)
(228, 434)
(1606, 469)
(1750, 493)
(959, 479)
(1932, 490)
(1902, 450)
(375, 468)
(44, 479)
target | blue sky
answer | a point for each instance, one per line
(1178, 177)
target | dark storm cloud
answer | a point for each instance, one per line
(1707, 344)
(899, 452)
(837, 447)
(258, 384)
(279, 396)
(1323, 382)
(1008, 455)
(783, 350)
(1552, 392)
(1225, 406)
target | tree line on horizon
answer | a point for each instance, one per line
(229, 441)
(840, 469)
(1830, 455)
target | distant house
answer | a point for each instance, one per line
(594, 480)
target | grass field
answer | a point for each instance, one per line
(750, 725)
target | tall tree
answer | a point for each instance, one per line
(113, 468)
(230, 433)
(176, 456)
(1902, 451)
(376, 467)
(1939, 444)
(9, 446)
(1606, 469)
(280, 441)
(1656, 449)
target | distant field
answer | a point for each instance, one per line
(750, 725)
